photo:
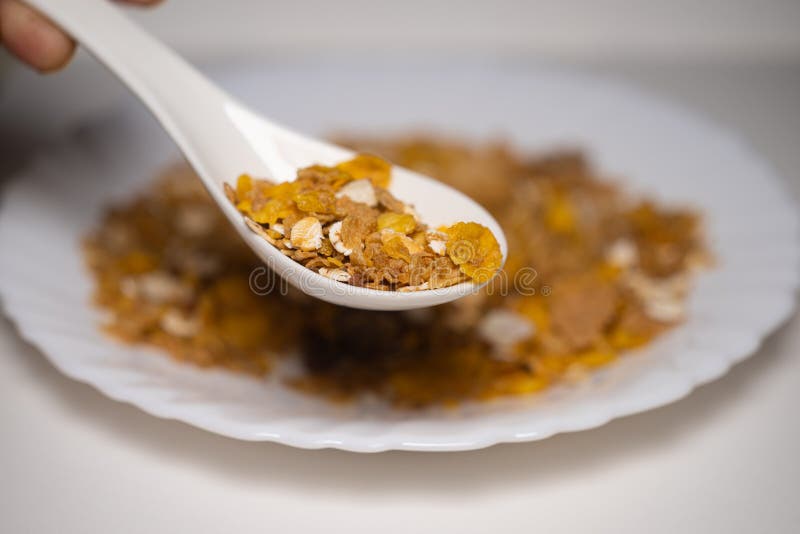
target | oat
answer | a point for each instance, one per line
(259, 230)
(230, 193)
(307, 234)
(437, 242)
(340, 275)
(335, 236)
(420, 287)
(160, 287)
(665, 310)
(622, 253)
(359, 191)
(372, 234)
(178, 324)
(579, 298)
(503, 329)
(196, 220)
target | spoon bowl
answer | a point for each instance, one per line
(221, 138)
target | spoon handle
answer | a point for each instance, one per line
(194, 111)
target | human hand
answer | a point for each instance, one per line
(34, 39)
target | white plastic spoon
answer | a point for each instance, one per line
(221, 138)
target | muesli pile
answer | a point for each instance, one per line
(590, 274)
(343, 223)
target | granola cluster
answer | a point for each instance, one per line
(343, 223)
(590, 274)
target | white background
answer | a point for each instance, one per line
(723, 460)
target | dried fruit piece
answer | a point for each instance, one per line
(315, 201)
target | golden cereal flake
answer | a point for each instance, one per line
(402, 223)
(272, 211)
(376, 169)
(351, 206)
(399, 246)
(244, 184)
(315, 202)
(474, 249)
(588, 304)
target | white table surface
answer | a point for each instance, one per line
(723, 460)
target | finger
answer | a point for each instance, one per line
(142, 2)
(32, 38)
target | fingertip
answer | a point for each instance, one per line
(56, 57)
(32, 38)
(146, 3)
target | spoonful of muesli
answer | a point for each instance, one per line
(343, 227)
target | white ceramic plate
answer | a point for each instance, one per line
(653, 146)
